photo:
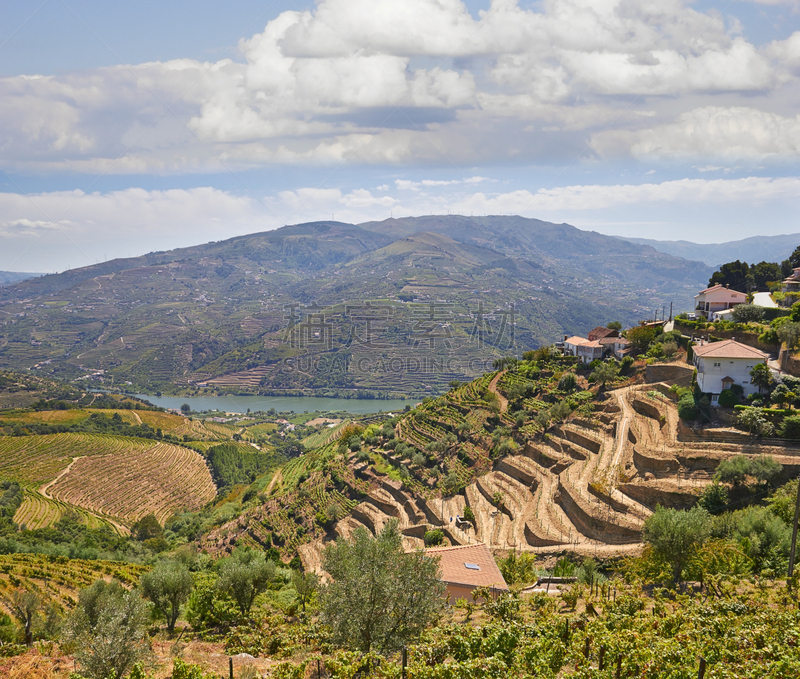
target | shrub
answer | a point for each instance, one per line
(747, 313)
(790, 428)
(687, 409)
(728, 399)
(434, 537)
(469, 515)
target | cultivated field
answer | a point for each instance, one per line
(58, 579)
(113, 477)
(160, 479)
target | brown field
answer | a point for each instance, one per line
(161, 479)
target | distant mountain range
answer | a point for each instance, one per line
(401, 306)
(9, 277)
(751, 250)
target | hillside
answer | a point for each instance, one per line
(531, 463)
(751, 250)
(9, 277)
(397, 307)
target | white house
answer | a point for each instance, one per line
(583, 348)
(720, 365)
(717, 298)
(792, 283)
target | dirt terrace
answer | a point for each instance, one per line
(586, 486)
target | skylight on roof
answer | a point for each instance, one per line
(473, 566)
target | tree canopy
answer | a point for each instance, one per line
(674, 535)
(380, 598)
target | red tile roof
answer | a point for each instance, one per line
(600, 332)
(728, 349)
(452, 562)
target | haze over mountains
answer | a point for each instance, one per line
(329, 308)
(751, 250)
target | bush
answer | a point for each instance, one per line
(433, 538)
(687, 409)
(469, 515)
(790, 428)
(747, 313)
(728, 399)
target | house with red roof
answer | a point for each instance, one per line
(720, 365)
(465, 567)
(717, 298)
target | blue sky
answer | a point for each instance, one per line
(128, 127)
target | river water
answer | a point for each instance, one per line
(298, 404)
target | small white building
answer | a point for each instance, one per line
(586, 350)
(720, 365)
(717, 298)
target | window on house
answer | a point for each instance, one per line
(717, 365)
(473, 566)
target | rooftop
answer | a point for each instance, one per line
(471, 565)
(728, 349)
(576, 340)
(718, 286)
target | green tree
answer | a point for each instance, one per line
(761, 376)
(604, 373)
(714, 498)
(732, 274)
(641, 337)
(244, 575)
(168, 586)
(782, 502)
(789, 334)
(614, 325)
(305, 584)
(752, 420)
(734, 470)
(765, 272)
(747, 313)
(147, 528)
(790, 427)
(108, 630)
(25, 605)
(675, 535)
(186, 408)
(379, 597)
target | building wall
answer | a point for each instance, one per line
(455, 592)
(710, 372)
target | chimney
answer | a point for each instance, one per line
(727, 285)
(566, 337)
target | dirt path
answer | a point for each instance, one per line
(493, 388)
(136, 417)
(45, 489)
(275, 479)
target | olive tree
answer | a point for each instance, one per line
(168, 586)
(108, 630)
(379, 597)
(674, 535)
(25, 606)
(244, 575)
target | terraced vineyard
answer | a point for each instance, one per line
(108, 477)
(586, 482)
(57, 578)
(159, 479)
(38, 511)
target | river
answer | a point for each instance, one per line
(298, 404)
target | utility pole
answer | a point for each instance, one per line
(794, 534)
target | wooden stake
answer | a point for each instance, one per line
(602, 657)
(619, 666)
(230, 667)
(701, 672)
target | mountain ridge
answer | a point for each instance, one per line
(752, 250)
(238, 314)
